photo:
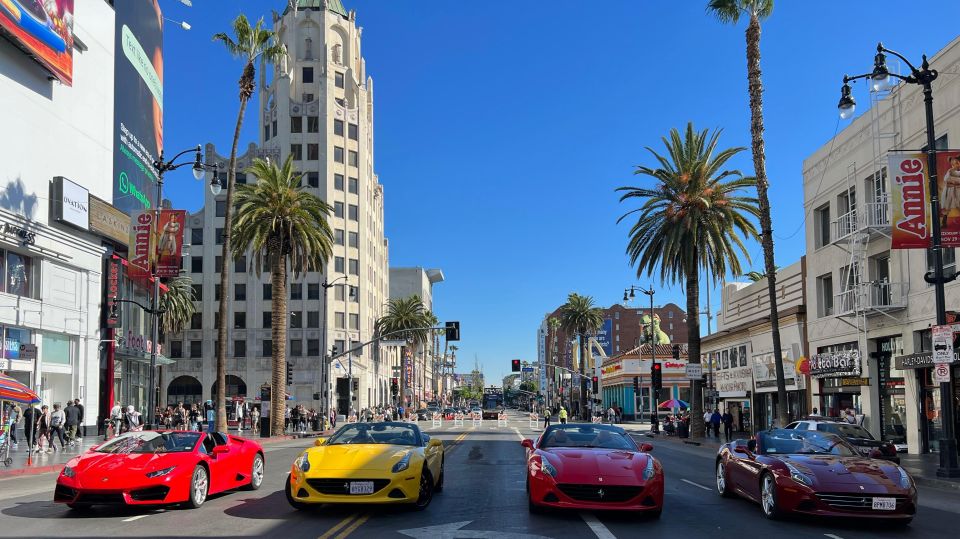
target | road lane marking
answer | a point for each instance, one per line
(515, 429)
(329, 533)
(350, 529)
(698, 485)
(597, 527)
(131, 519)
(832, 536)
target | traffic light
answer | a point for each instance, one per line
(289, 374)
(656, 376)
(356, 385)
(515, 365)
(596, 385)
(334, 350)
(316, 396)
(676, 352)
(453, 331)
(394, 387)
(636, 384)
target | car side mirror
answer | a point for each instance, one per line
(528, 443)
(435, 443)
(220, 450)
(875, 454)
(646, 448)
(320, 441)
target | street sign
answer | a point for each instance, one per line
(526, 369)
(393, 342)
(942, 343)
(941, 372)
(694, 371)
(28, 351)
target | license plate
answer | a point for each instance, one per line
(366, 487)
(885, 504)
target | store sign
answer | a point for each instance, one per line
(109, 222)
(765, 371)
(922, 360)
(71, 203)
(113, 289)
(28, 351)
(733, 380)
(140, 343)
(24, 236)
(835, 364)
(854, 382)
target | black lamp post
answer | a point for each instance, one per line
(924, 76)
(629, 293)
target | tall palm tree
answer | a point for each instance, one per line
(277, 221)
(730, 11)
(579, 316)
(756, 276)
(248, 43)
(176, 305)
(405, 319)
(693, 219)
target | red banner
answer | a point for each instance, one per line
(948, 170)
(169, 242)
(141, 244)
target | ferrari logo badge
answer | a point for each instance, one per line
(861, 487)
(104, 480)
(600, 493)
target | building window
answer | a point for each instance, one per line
(241, 178)
(354, 294)
(313, 291)
(949, 260)
(197, 292)
(670, 314)
(338, 264)
(267, 320)
(354, 131)
(338, 320)
(338, 128)
(313, 179)
(267, 347)
(338, 292)
(216, 292)
(176, 349)
(196, 236)
(825, 295)
(266, 132)
(313, 152)
(313, 124)
(313, 319)
(354, 266)
(239, 320)
(338, 154)
(296, 124)
(340, 344)
(239, 348)
(221, 208)
(338, 80)
(821, 226)
(274, 124)
(196, 321)
(240, 264)
(219, 237)
(307, 75)
(354, 239)
(313, 347)
(297, 151)
(196, 264)
(355, 186)
(296, 320)
(267, 291)
(218, 262)
(296, 290)
(338, 236)
(338, 209)
(354, 321)
(196, 349)
(354, 212)
(338, 182)
(354, 159)
(239, 292)
(296, 347)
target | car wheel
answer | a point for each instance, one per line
(199, 485)
(426, 490)
(723, 484)
(256, 473)
(289, 493)
(439, 487)
(768, 496)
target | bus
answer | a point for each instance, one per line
(492, 401)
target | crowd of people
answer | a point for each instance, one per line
(43, 426)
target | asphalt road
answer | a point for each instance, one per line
(484, 498)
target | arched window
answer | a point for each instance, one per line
(185, 389)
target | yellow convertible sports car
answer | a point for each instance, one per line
(391, 463)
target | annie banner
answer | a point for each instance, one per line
(910, 203)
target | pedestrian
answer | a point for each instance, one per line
(850, 417)
(133, 420)
(707, 416)
(43, 428)
(57, 419)
(15, 418)
(563, 415)
(193, 418)
(546, 417)
(30, 416)
(815, 411)
(81, 427)
(728, 425)
(241, 417)
(210, 415)
(333, 418)
(611, 415)
(72, 416)
(715, 419)
(116, 420)
(180, 417)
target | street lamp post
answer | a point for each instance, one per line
(324, 383)
(880, 79)
(162, 167)
(653, 343)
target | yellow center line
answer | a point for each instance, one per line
(337, 527)
(356, 524)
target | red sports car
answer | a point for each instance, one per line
(594, 467)
(814, 473)
(160, 467)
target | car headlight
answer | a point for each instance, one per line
(402, 464)
(303, 462)
(648, 471)
(904, 478)
(799, 476)
(160, 473)
(548, 468)
(68, 471)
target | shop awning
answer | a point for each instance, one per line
(733, 394)
(162, 360)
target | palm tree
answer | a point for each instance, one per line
(248, 43)
(277, 220)
(756, 276)
(579, 316)
(729, 11)
(693, 219)
(405, 319)
(176, 305)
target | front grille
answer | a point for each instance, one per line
(342, 486)
(601, 493)
(153, 494)
(63, 493)
(859, 502)
(113, 498)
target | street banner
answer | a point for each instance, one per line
(948, 182)
(909, 201)
(141, 244)
(169, 242)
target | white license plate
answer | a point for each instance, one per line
(366, 487)
(885, 504)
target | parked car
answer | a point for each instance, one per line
(855, 434)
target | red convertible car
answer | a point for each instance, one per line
(593, 467)
(814, 473)
(160, 467)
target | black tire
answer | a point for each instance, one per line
(199, 488)
(425, 495)
(256, 473)
(768, 498)
(300, 506)
(439, 487)
(723, 480)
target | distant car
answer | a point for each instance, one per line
(476, 410)
(448, 414)
(421, 414)
(855, 434)
(814, 473)
(159, 468)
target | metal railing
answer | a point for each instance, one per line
(871, 216)
(871, 296)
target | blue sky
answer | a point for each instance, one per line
(503, 128)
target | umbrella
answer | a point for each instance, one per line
(12, 390)
(674, 403)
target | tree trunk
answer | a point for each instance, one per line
(278, 286)
(766, 226)
(693, 350)
(583, 374)
(225, 275)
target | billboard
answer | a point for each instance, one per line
(141, 244)
(910, 201)
(168, 242)
(948, 180)
(603, 336)
(44, 30)
(138, 103)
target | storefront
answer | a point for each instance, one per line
(919, 366)
(731, 377)
(617, 381)
(838, 371)
(766, 405)
(891, 389)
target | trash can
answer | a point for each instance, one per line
(316, 423)
(683, 430)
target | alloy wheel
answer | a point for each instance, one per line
(256, 475)
(768, 496)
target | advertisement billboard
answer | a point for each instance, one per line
(169, 242)
(138, 103)
(44, 30)
(603, 336)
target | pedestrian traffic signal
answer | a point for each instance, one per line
(676, 352)
(453, 331)
(596, 385)
(656, 376)
(289, 374)
(515, 365)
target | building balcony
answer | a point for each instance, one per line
(872, 218)
(873, 297)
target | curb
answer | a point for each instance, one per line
(33, 470)
(934, 483)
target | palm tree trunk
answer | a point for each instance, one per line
(278, 286)
(225, 275)
(766, 226)
(583, 374)
(693, 350)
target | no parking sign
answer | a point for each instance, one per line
(941, 372)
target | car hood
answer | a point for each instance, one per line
(380, 457)
(837, 471)
(585, 465)
(118, 470)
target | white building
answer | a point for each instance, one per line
(417, 281)
(870, 310)
(50, 264)
(317, 104)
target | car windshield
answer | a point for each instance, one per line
(590, 436)
(151, 442)
(846, 430)
(804, 442)
(375, 433)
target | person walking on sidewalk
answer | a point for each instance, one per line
(255, 420)
(81, 427)
(133, 420)
(30, 417)
(211, 415)
(715, 419)
(707, 416)
(728, 425)
(546, 416)
(72, 419)
(562, 415)
(43, 428)
(57, 419)
(16, 417)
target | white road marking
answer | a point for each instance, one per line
(20, 493)
(698, 485)
(137, 517)
(832, 536)
(515, 429)
(597, 527)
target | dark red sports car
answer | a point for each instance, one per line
(594, 467)
(160, 467)
(814, 473)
